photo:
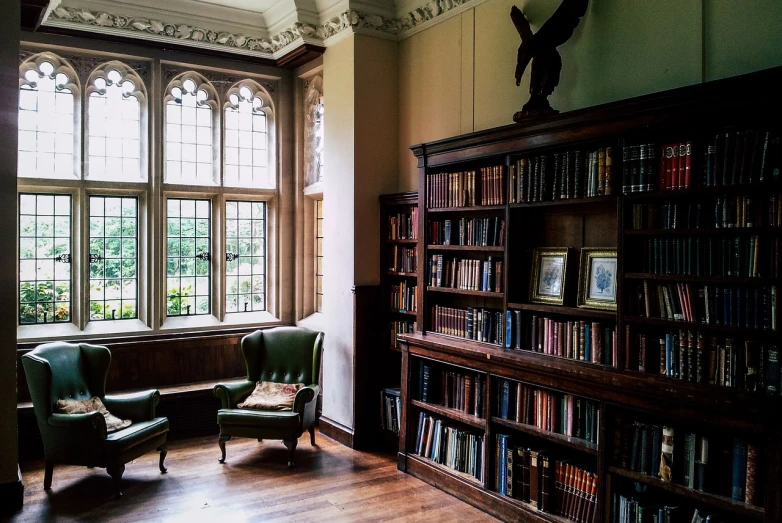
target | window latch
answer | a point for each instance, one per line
(94, 258)
(63, 258)
(203, 256)
(231, 256)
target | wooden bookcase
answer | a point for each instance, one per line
(622, 392)
(388, 362)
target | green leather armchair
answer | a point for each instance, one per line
(281, 355)
(61, 370)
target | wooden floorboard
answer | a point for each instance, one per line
(330, 483)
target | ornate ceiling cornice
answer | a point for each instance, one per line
(272, 47)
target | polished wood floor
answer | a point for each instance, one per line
(331, 483)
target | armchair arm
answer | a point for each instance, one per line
(232, 393)
(84, 428)
(304, 396)
(136, 406)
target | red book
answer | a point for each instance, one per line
(627, 348)
(682, 165)
(669, 160)
(688, 165)
(661, 173)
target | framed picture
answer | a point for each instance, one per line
(547, 282)
(597, 281)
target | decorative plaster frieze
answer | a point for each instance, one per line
(272, 47)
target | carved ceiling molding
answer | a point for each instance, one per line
(274, 46)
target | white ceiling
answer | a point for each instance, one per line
(256, 6)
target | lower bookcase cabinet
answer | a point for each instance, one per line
(526, 440)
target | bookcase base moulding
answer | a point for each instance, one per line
(638, 379)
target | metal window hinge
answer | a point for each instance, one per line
(231, 256)
(203, 256)
(63, 258)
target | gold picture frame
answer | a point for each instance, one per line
(597, 279)
(548, 277)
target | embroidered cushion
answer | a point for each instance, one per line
(272, 396)
(113, 423)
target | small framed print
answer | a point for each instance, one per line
(597, 281)
(549, 267)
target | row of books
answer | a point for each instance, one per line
(403, 225)
(551, 411)
(737, 157)
(450, 446)
(737, 211)
(484, 325)
(692, 356)
(630, 510)
(639, 168)
(390, 409)
(466, 189)
(593, 342)
(401, 327)
(484, 232)
(748, 256)
(455, 390)
(723, 466)
(572, 174)
(402, 259)
(735, 306)
(537, 478)
(469, 274)
(404, 297)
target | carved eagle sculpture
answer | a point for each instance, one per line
(541, 49)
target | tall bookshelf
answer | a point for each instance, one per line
(398, 256)
(724, 245)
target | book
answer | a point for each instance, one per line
(739, 482)
(666, 455)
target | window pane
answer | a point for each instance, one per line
(46, 126)
(188, 270)
(319, 255)
(114, 120)
(246, 151)
(44, 258)
(245, 234)
(189, 139)
(113, 290)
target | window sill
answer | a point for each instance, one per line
(315, 322)
(94, 329)
(189, 323)
(315, 189)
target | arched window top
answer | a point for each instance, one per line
(191, 131)
(313, 131)
(48, 118)
(249, 137)
(116, 123)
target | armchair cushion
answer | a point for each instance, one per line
(113, 423)
(272, 396)
(135, 434)
(275, 419)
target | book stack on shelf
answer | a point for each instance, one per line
(391, 409)
(640, 269)
(446, 444)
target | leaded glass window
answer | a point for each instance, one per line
(189, 227)
(246, 140)
(319, 255)
(189, 135)
(44, 258)
(46, 122)
(114, 125)
(245, 237)
(113, 258)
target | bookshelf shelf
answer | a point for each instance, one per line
(403, 274)
(564, 310)
(594, 200)
(465, 248)
(453, 414)
(725, 329)
(567, 441)
(746, 189)
(404, 312)
(466, 292)
(472, 209)
(405, 241)
(738, 508)
(720, 231)
(689, 278)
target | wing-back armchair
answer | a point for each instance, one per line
(69, 371)
(280, 355)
